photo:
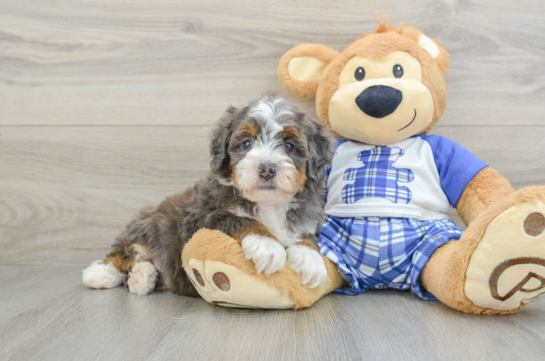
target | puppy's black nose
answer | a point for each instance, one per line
(267, 171)
(379, 101)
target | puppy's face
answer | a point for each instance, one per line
(268, 150)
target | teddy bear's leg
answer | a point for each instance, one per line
(498, 265)
(222, 275)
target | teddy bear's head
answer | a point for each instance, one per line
(384, 87)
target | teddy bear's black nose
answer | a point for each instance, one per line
(379, 101)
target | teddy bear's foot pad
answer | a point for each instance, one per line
(225, 285)
(508, 266)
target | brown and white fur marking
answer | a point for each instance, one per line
(267, 173)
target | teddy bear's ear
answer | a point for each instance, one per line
(301, 68)
(438, 53)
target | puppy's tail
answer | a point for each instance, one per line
(129, 248)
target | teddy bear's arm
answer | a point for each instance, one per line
(485, 189)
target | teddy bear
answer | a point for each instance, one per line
(388, 191)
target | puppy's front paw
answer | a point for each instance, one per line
(309, 264)
(268, 255)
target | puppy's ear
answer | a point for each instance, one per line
(321, 149)
(219, 143)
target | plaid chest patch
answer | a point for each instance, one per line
(378, 178)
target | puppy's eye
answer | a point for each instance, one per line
(398, 71)
(359, 74)
(247, 144)
(289, 147)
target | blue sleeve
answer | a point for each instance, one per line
(456, 165)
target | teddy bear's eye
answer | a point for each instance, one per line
(398, 71)
(359, 74)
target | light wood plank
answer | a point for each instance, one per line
(51, 316)
(181, 62)
(68, 191)
(105, 107)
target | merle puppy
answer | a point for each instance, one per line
(267, 172)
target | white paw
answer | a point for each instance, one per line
(268, 255)
(100, 275)
(309, 264)
(142, 278)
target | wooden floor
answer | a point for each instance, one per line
(105, 107)
(47, 314)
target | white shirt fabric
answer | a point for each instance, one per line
(424, 200)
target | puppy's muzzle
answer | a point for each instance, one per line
(379, 101)
(267, 171)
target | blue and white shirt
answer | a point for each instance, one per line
(419, 177)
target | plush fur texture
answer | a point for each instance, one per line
(485, 197)
(482, 192)
(374, 45)
(214, 246)
(445, 274)
(236, 198)
(304, 89)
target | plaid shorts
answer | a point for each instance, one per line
(378, 253)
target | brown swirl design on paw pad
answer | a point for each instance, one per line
(198, 277)
(498, 271)
(534, 224)
(222, 281)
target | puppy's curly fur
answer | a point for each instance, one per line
(265, 156)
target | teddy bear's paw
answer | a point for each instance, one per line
(268, 255)
(142, 278)
(228, 286)
(309, 264)
(508, 266)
